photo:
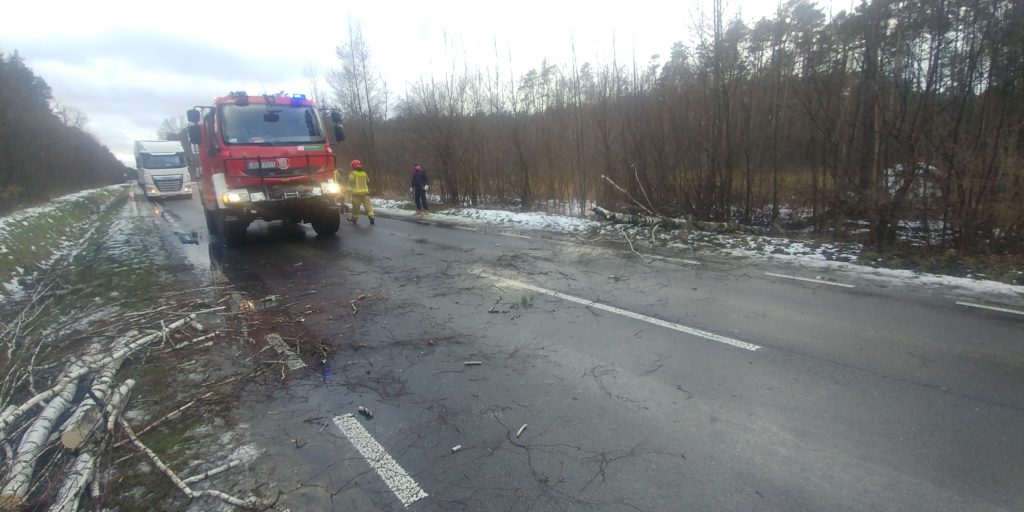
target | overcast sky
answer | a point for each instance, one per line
(129, 65)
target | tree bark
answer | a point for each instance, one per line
(82, 472)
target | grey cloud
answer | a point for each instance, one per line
(119, 111)
(155, 51)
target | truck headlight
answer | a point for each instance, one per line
(235, 196)
(331, 187)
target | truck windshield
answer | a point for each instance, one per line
(163, 161)
(279, 125)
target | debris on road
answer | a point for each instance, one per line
(366, 412)
(522, 429)
(456, 448)
(472, 363)
(292, 360)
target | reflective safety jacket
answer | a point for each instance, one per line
(359, 182)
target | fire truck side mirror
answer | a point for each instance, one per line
(195, 136)
(335, 117)
(339, 133)
(193, 115)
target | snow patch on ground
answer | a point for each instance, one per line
(979, 286)
(245, 454)
(835, 257)
(560, 223)
(22, 216)
(528, 220)
(63, 243)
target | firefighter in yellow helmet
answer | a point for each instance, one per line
(359, 184)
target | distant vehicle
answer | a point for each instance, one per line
(162, 168)
(265, 157)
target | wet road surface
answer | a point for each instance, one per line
(662, 385)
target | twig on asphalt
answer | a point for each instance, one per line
(642, 257)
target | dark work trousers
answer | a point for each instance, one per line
(421, 199)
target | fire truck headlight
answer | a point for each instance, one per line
(235, 196)
(331, 187)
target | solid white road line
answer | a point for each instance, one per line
(405, 488)
(809, 280)
(992, 308)
(501, 281)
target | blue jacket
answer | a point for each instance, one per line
(420, 179)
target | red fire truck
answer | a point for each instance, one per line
(265, 157)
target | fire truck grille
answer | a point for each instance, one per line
(167, 184)
(279, 173)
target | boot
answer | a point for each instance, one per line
(371, 221)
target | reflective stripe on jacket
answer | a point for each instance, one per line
(359, 182)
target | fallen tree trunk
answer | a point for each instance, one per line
(12, 413)
(118, 401)
(87, 416)
(670, 223)
(640, 220)
(82, 473)
(23, 466)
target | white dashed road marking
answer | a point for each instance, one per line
(991, 308)
(501, 281)
(809, 280)
(515, 235)
(405, 488)
(292, 359)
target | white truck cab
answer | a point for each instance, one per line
(162, 168)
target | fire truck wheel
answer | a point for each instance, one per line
(232, 233)
(211, 225)
(327, 222)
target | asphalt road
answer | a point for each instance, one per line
(644, 385)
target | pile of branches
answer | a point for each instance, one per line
(648, 217)
(62, 403)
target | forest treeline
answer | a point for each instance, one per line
(902, 114)
(44, 150)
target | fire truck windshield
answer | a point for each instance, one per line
(281, 125)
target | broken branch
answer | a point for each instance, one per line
(252, 503)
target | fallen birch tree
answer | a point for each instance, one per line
(80, 425)
(12, 413)
(672, 223)
(82, 472)
(19, 477)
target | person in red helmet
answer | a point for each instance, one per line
(359, 184)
